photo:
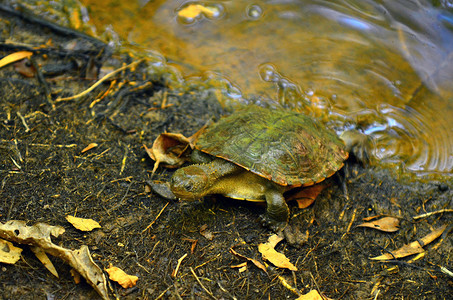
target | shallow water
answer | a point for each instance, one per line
(385, 67)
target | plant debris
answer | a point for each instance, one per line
(313, 295)
(414, 247)
(82, 223)
(254, 261)
(123, 279)
(39, 235)
(276, 258)
(387, 224)
(9, 254)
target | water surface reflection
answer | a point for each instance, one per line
(384, 66)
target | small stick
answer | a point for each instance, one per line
(175, 272)
(199, 282)
(158, 215)
(87, 91)
(432, 213)
(27, 129)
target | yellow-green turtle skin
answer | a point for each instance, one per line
(285, 147)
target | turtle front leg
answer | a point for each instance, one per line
(277, 211)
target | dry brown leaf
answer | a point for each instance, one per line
(89, 147)
(168, 149)
(39, 235)
(206, 233)
(387, 224)
(313, 295)
(414, 247)
(306, 196)
(254, 261)
(83, 224)
(24, 68)
(276, 258)
(9, 254)
(14, 57)
(194, 10)
(44, 259)
(123, 279)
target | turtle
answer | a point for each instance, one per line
(258, 154)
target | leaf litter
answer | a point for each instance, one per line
(276, 258)
(39, 235)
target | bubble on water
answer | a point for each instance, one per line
(268, 73)
(254, 12)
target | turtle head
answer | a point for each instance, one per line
(189, 183)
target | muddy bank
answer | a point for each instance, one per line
(45, 177)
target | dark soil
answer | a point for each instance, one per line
(44, 176)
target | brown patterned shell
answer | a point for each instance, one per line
(288, 148)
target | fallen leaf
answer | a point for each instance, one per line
(39, 235)
(313, 295)
(254, 261)
(194, 10)
(305, 196)
(387, 224)
(168, 149)
(206, 233)
(9, 254)
(414, 247)
(25, 68)
(83, 224)
(123, 279)
(276, 258)
(89, 147)
(44, 259)
(13, 57)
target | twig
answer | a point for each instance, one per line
(175, 272)
(446, 271)
(158, 215)
(317, 287)
(163, 293)
(27, 129)
(199, 282)
(87, 91)
(432, 213)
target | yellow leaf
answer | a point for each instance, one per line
(89, 147)
(16, 56)
(44, 259)
(83, 224)
(9, 254)
(313, 295)
(194, 10)
(276, 258)
(254, 261)
(118, 275)
(414, 247)
(387, 224)
(39, 235)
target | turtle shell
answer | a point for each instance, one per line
(285, 147)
